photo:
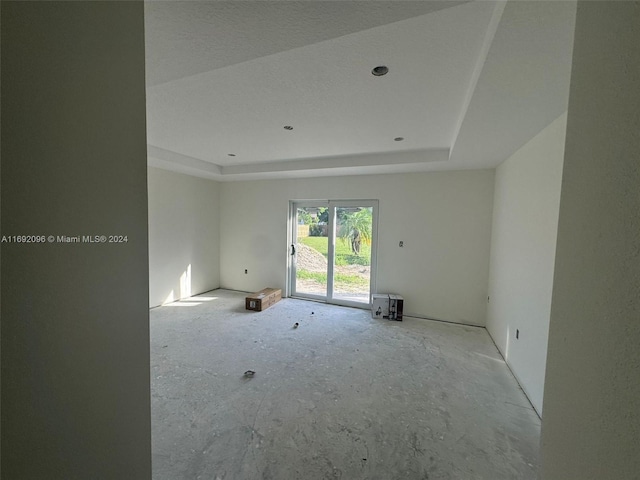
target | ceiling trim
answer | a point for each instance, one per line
(342, 161)
(159, 156)
(490, 34)
(166, 159)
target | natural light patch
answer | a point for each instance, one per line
(181, 303)
(198, 299)
(499, 360)
(185, 283)
(170, 298)
(506, 351)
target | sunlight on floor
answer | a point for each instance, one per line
(198, 299)
(182, 303)
(189, 302)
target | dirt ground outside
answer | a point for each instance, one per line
(310, 260)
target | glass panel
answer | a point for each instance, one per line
(352, 269)
(312, 245)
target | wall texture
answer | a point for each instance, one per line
(591, 422)
(184, 250)
(523, 247)
(443, 218)
(75, 320)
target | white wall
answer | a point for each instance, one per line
(75, 318)
(523, 245)
(184, 250)
(591, 422)
(444, 219)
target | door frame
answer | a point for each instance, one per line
(331, 204)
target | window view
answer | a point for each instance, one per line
(352, 271)
(352, 256)
(312, 246)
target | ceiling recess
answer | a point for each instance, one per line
(380, 70)
(288, 127)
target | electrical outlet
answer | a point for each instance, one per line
(246, 271)
(401, 243)
(517, 334)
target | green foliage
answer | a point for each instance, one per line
(323, 215)
(321, 277)
(356, 228)
(317, 225)
(316, 230)
(304, 217)
(321, 244)
(350, 259)
(344, 256)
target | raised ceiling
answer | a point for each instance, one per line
(468, 84)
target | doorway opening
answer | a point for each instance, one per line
(333, 251)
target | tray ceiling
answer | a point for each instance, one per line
(468, 84)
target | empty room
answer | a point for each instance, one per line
(320, 239)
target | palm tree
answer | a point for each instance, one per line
(356, 227)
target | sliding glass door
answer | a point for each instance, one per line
(332, 250)
(310, 251)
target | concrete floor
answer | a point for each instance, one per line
(343, 396)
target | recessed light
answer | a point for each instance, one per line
(288, 127)
(380, 70)
(399, 139)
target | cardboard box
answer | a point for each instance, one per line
(385, 305)
(263, 299)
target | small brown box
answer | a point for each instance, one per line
(263, 299)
